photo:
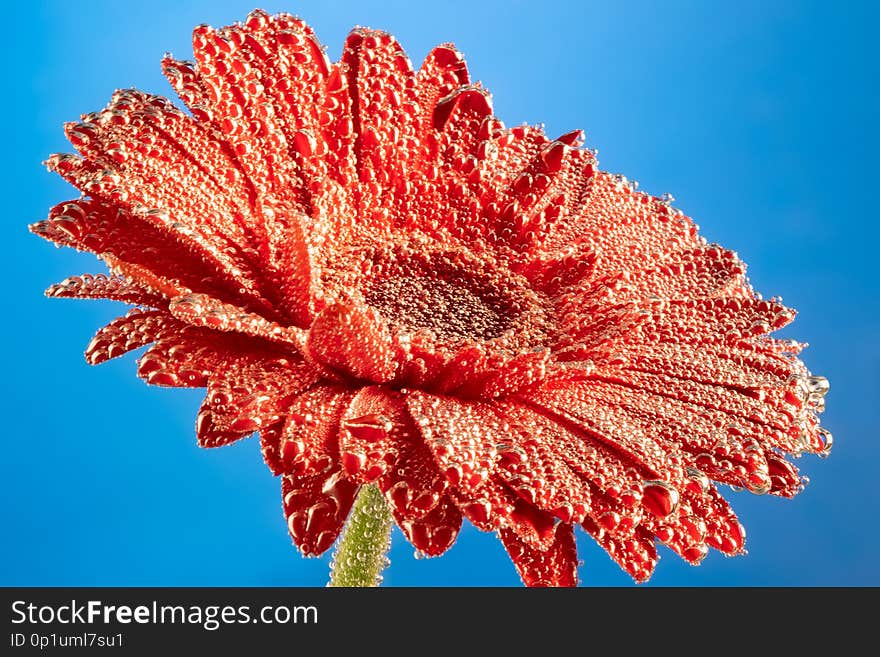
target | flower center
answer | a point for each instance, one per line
(451, 309)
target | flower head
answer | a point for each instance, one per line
(364, 265)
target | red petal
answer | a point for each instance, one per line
(636, 554)
(691, 427)
(435, 532)
(724, 399)
(185, 81)
(249, 121)
(354, 342)
(293, 65)
(186, 359)
(590, 478)
(443, 71)
(100, 286)
(423, 364)
(456, 433)
(455, 163)
(555, 566)
(541, 193)
(310, 111)
(372, 433)
(529, 463)
(533, 526)
(703, 272)
(461, 369)
(105, 228)
(316, 507)
(270, 441)
(254, 117)
(201, 310)
(415, 485)
(629, 229)
(146, 138)
(446, 189)
(721, 321)
(724, 532)
(784, 477)
(145, 277)
(384, 112)
(192, 354)
(140, 132)
(249, 396)
(489, 506)
(514, 375)
(702, 520)
(721, 365)
(292, 268)
(340, 132)
(574, 402)
(551, 272)
(513, 150)
(309, 441)
(136, 329)
(461, 113)
(210, 434)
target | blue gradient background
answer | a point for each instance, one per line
(761, 118)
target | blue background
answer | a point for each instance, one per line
(759, 117)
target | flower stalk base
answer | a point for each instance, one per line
(361, 554)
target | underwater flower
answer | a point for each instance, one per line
(361, 263)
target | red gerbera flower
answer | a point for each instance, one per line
(361, 263)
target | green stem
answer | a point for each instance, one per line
(361, 552)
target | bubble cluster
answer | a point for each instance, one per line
(426, 315)
(449, 310)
